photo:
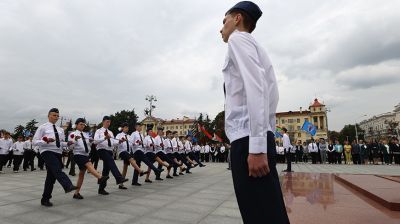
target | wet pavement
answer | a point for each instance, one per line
(312, 195)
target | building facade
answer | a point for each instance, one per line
(382, 126)
(182, 126)
(294, 120)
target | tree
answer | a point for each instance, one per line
(333, 135)
(31, 126)
(69, 129)
(118, 118)
(218, 125)
(349, 133)
(18, 131)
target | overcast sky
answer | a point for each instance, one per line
(91, 58)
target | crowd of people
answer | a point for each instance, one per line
(333, 152)
(160, 151)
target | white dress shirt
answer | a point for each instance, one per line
(101, 142)
(5, 145)
(202, 149)
(175, 145)
(312, 147)
(168, 146)
(47, 130)
(18, 148)
(28, 145)
(181, 147)
(159, 143)
(137, 140)
(251, 92)
(222, 149)
(124, 146)
(286, 143)
(188, 146)
(79, 147)
(207, 149)
(149, 144)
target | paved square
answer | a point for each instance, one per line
(206, 196)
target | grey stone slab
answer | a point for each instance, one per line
(216, 219)
(172, 215)
(105, 216)
(230, 212)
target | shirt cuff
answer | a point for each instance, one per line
(257, 145)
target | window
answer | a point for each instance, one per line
(290, 121)
(184, 126)
(298, 127)
(298, 120)
(283, 121)
(176, 127)
(315, 119)
(299, 135)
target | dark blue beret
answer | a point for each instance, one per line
(248, 7)
(79, 120)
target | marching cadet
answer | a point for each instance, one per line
(184, 158)
(162, 148)
(169, 146)
(150, 147)
(190, 151)
(137, 141)
(50, 140)
(207, 152)
(250, 106)
(176, 153)
(5, 145)
(8, 141)
(105, 142)
(124, 153)
(18, 153)
(29, 155)
(80, 148)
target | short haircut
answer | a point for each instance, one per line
(248, 22)
(284, 130)
(55, 110)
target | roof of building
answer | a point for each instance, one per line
(293, 113)
(179, 121)
(316, 103)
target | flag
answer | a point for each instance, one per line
(217, 138)
(310, 128)
(205, 131)
(278, 132)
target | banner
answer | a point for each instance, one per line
(310, 128)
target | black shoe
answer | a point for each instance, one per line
(33, 169)
(144, 173)
(46, 203)
(187, 171)
(72, 174)
(181, 173)
(169, 177)
(136, 184)
(202, 165)
(24, 169)
(123, 180)
(289, 171)
(175, 175)
(148, 181)
(195, 165)
(159, 178)
(102, 179)
(122, 187)
(184, 169)
(77, 196)
(160, 170)
(72, 188)
(228, 168)
(103, 192)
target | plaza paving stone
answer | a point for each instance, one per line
(206, 196)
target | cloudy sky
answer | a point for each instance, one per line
(91, 58)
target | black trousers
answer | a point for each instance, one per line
(260, 199)
(193, 156)
(140, 157)
(29, 159)
(108, 165)
(17, 162)
(3, 161)
(53, 163)
(41, 161)
(339, 157)
(288, 160)
(10, 157)
(314, 157)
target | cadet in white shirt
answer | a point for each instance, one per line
(125, 153)
(313, 150)
(5, 145)
(207, 153)
(105, 142)
(50, 140)
(163, 149)
(287, 147)
(18, 153)
(137, 141)
(178, 158)
(191, 153)
(29, 155)
(150, 148)
(250, 106)
(81, 149)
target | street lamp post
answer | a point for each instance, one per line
(151, 107)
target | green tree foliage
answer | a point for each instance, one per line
(18, 130)
(118, 118)
(31, 126)
(349, 133)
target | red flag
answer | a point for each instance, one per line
(217, 138)
(205, 132)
